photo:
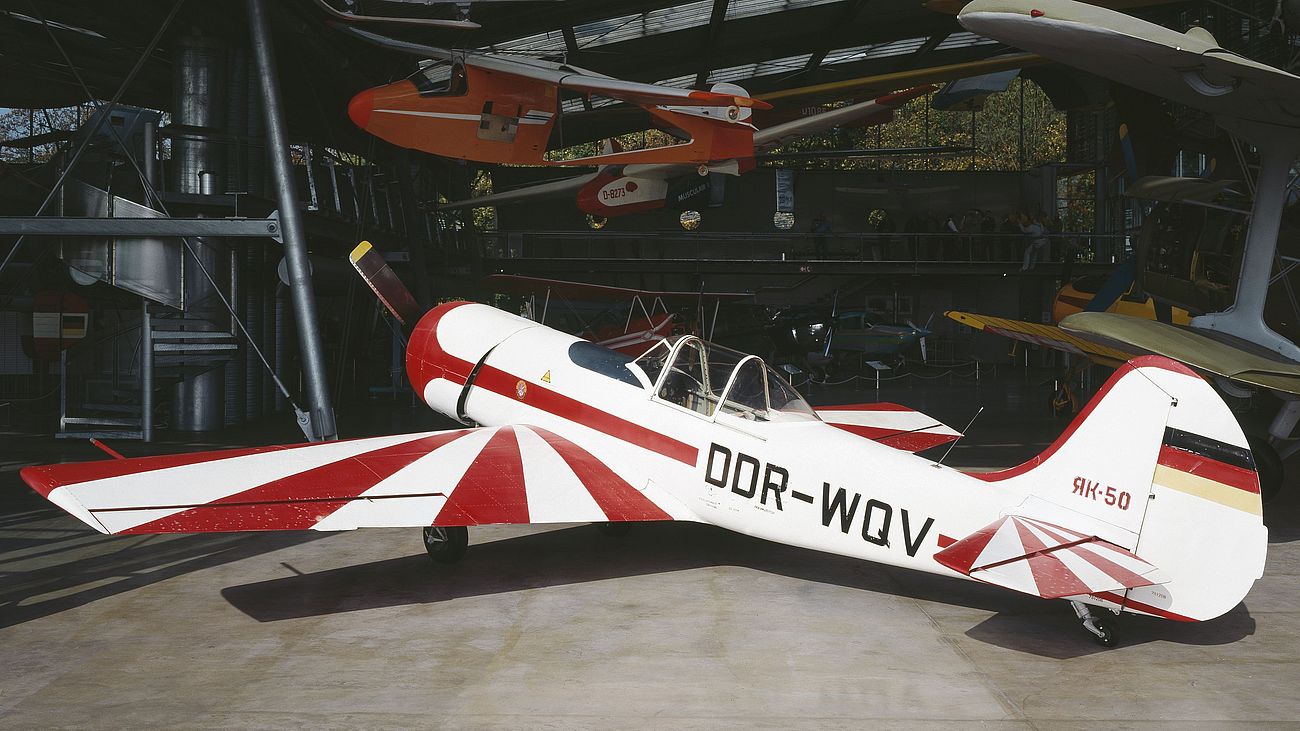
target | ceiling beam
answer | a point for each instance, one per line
(932, 42)
(714, 37)
(833, 34)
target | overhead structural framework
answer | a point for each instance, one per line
(295, 241)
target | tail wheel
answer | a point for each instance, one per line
(1269, 466)
(446, 545)
(1103, 632)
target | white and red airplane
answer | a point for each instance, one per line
(1148, 504)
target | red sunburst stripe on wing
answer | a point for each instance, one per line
(301, 500)
(1210, 469)
(1110, 568)
(492, 489)
(616, 498)
(45, 478)
(1055, 579)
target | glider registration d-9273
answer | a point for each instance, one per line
(1113, 515)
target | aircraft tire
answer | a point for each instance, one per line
(446, 545)
(1269, 466)
(1105, 633)
(614, 530)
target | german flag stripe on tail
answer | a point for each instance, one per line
(1209, 469)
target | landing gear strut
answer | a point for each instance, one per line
(1102, 630)
(446, 545)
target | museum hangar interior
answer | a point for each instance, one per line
(886, 202)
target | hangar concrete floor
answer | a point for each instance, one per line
(673, 626)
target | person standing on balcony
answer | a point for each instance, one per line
(1037, 233)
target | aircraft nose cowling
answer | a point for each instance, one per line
(447, 343)
(361, 106)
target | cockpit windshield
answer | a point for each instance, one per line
(440, 78)
(708, 378)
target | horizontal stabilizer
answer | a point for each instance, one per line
(890, 424)
(1046, 560)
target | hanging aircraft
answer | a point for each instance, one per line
(618, 190)
(496, 108)
(560, 430)
(1228, 337)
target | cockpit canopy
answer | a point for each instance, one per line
(709, 379)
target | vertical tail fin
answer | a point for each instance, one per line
(1158, 465)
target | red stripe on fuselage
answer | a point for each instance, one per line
(1211, 469)
(503, 383)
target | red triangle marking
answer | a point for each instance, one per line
(961, 555)
(616, 498)
(492, 489)
(301, 500)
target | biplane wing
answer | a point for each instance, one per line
(509, 474)
(1047, 336)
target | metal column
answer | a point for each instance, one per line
(146, 372)
(295, 242)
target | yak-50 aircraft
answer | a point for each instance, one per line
(1113, 515)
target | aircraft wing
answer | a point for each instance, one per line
(517, 474)
(889, 424)
(1048, 336)
(1201, 349)
(1189, 68)
(653, 94)
(568, 187)
(779, 133)
(1046, 560)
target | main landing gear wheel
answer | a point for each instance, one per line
(614, 530)
(446, 545)
(1102, 630)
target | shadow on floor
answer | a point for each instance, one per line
(580, 554)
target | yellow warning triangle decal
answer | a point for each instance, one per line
(546, 377)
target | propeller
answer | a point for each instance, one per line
(924, 332)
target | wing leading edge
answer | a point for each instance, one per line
(517, 475)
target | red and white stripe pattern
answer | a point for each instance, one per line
(1046, 560)
(465, 477)
(890, 424)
